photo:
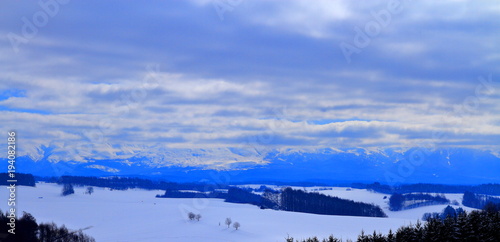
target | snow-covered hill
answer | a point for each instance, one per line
(136, 215)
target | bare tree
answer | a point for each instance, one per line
(228, 222)
(236, 225)
(90, 190)
(191, 215)
(197, 217)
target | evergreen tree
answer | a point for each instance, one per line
(28, 230)
(419, 231)
(449, 211)
(362, 237)
(463, 228)
(405, 233)
(491, 207)
(390, 236)
(432, 229)
(476, 226)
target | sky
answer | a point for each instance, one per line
(104, 75)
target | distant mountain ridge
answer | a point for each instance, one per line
(233, 165)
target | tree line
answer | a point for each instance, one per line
(238, 195)
(290, 200)
(231, 195)
(21, 179)
(310, 202)
(28, 230)
(489, 189)
(476, 226)
(124, 183)
(173, 193)
(399, 201)
(473, 200)
(449, 211)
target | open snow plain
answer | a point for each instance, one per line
(136, 215)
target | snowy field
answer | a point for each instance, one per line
(136, 215)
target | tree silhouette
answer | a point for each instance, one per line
(396, 202)
(90, 190)
(28, 230)
(228, 222)
(67, 189)
(236, 225)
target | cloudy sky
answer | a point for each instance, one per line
(201, 74)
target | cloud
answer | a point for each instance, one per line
(98, 78)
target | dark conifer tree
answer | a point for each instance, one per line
(390, 236)
(449, 211)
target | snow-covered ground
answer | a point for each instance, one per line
(363, 195)
(136, 215)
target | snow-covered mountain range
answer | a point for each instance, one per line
(327, 165)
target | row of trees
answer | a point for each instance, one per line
(193, 216)
(489, 189)
(228, 221)
(68, 190)
(471, 227)
(399, 201)
(478, 200)
(292, 200)
(124, 183)
(238, 195)
(28, 230)
(21, 179)
(172, 193)
(232, 195)
(301, 201)
(449, 211)
(121, 183)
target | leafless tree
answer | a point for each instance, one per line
(228, 222)
(197, 217)
(236, 225)
(90, 190)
